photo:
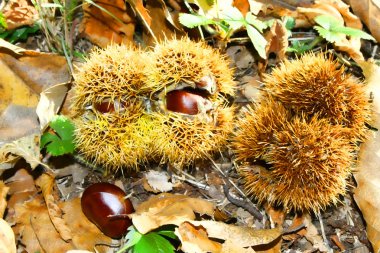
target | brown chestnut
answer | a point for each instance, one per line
(187, 102)
(106, 206)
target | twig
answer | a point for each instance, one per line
(246, 205)
(323, 231)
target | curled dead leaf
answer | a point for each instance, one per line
(46, 183)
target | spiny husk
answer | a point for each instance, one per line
(182, 140)
(255, 128)
(316, 84)
(177, 61)
(115, 140)
(111, 73)
(309, 159)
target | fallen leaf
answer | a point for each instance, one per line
(22, 79)
(21, 188)
(85, 234)
(19, 13)
(167, 208)
(367, 174)
(27, 147)
(242, 5)
(46, 183)
(313, 236)
(277, 38)
(369, 12)
(111, 23)
(7, 238)
(35, 230)
(3, 194)
(251, 87)
(15, 49)
(157, 181)
(195, 239)
(50, 102)
(235, 237)
(162, 28)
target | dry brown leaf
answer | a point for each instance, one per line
(85, 234)
(157, 181)
(7, 238)
(46, 183)
(50, 102)
(277, 38)
(27, 147)
(313, 236)
(167, 208)
(238, 237)
(195, 239)
(102, 29)
(162, 29)
(242, 5)
(369, 12)
(21, 188)
(367, 174)
(19, 13)
(21, 81)
(13, 48)
(3, 194)
(35, 230)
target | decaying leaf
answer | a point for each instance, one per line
(19, 13)
(369, 12)
(167, 208)
(157, 181)
(46, 183)
(27, 147)
(7, 238)
(367, 174)
(235, 237)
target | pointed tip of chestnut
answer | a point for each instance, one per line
(101, 203)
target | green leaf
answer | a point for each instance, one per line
(3, 21)
(299, 47)
(168, 233)
(258, 41)
(289, 22)
(132, 238)
(258, 24)
(233, 17)
(330, 36)
(153, 243)
(193, 20)
(62, 140)
(328, 22)
(353, 32)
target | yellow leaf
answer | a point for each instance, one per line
(7, 238)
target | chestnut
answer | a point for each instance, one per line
(187, 102)
(106, 206)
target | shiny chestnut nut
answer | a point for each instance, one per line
(187, 102)
(106, 206)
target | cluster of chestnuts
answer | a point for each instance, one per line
(296, 147)
(167, 105)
